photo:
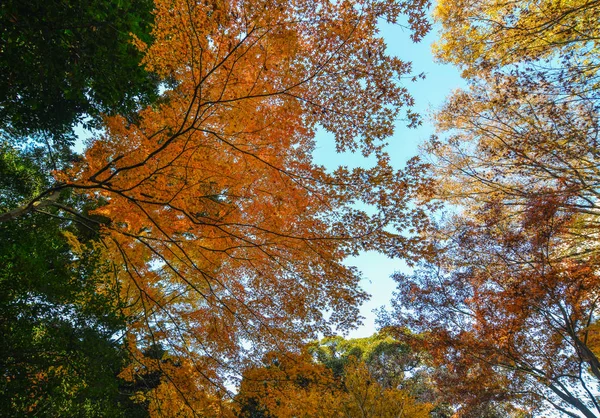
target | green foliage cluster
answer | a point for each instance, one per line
(60, 353)
(21, 179)
(62, 61)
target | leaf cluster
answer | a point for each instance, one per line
(65, 61)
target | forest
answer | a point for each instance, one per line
(189, 258)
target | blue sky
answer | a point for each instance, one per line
(429, 94)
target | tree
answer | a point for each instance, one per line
(504, 318)
(526, 143)
(526, 127)
(389, 362)
(60, 352)
(483, 37)
(508, 299)
(288, 385)
(365, 397)
(227, 235)
(65, 61)
(326, 382)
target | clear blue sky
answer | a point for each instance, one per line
(429, 94)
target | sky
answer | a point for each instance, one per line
(440, 80)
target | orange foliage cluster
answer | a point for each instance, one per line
(227, 239)
(508, 303)
(297, 386)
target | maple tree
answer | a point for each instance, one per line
(504, 318)
(228, 240)
(508, 300)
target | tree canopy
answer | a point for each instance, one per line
(63, 62)
(335, 377)
(508, 301)
(61, 351)
(224, 240)
(194, 245)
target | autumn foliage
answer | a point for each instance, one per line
(508, 301)
(181, 264)
(336, 378)
(227, 239)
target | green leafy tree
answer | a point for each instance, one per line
(64, 60)
(60, 327)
